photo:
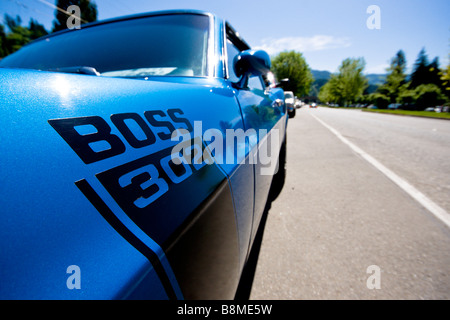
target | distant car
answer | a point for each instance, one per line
(298, 103)
(372, 107)
(431, 109)
(394, 106)
(313, 105)
(289, 99)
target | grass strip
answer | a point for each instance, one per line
(427, 114)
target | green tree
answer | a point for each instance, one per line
(420, 72)
(406, 96)
(292, 65)
(425, 72)
(37, 30)
(427, 83)
(348, 85)
(435, 73)
(332, 91)
(18, 35)
(88, 10)
(379, 99)
(425, 89)
(446, 83)
(325, 93)
(3, 45)
(428, 95)
(395, 81)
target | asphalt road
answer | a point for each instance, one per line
(341, 228)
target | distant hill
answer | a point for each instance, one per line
(322, 76)
(376, 78)
(373, 78)
(317, 74)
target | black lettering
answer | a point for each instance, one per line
(119, 122)
(150, 116)
(176, 172)
(136, 184)
(172, 112)
(80, 143)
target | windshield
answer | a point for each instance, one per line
(166, 45)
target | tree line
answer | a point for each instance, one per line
(427, 86)
(13, 35)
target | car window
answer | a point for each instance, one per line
(166, 45)
(232, 52)
(255, 83)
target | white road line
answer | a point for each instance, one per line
(430, 205)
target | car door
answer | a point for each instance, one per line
(263, 114)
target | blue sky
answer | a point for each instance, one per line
(325, 31)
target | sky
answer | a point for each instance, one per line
(325, 31)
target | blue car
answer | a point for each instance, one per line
(137, 157)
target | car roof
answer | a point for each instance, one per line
(243, 45)
(131, 17)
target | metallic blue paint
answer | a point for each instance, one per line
(47, 224)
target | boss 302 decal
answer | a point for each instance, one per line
(138, 183)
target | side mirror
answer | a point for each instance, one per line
(251, 62)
